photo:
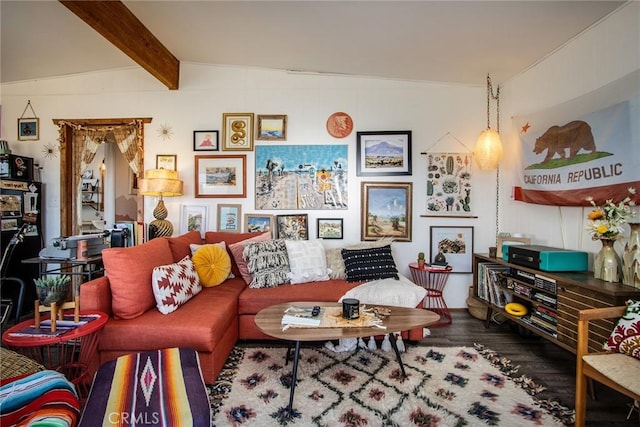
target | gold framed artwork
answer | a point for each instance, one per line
(167, 161)
(229, 217)
(221, 176)
(271, 127)
(386, 210)
(237, 131)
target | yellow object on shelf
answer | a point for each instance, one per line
(515, 309)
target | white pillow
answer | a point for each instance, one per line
(397, 293)
(307, 261)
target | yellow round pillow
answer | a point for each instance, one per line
(515, 309)
(212, 264)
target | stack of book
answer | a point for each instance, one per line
(302, 316)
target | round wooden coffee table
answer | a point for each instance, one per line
(269, 321)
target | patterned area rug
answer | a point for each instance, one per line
(445, 386)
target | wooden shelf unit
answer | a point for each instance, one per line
(574, 291)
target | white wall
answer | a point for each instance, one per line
(607, 52)
(430, 110)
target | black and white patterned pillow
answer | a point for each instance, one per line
(267, 262)
(362, 265)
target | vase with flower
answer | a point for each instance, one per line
(605, 224)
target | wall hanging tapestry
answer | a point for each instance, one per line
(589, 146)
(301, 177)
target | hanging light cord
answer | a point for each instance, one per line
(496, 97)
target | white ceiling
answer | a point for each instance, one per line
(441, 41)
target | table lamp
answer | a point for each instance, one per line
(163, 183)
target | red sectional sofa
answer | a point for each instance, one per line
(211, 322)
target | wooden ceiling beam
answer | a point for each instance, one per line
(115, 22)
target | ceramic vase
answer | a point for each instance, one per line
(631, 257)
(607, 265)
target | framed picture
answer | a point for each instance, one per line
(29, 129)
(205, 140)
(237, 131)
(456, 244)
(133, 182)
(167, 161)
(383, 153)
(330, 228)
(293, 227)
(258, 223)
(316, 174)
(272, 128)
(229, 217)
(221, 176)
(386, 210)
(193, 218)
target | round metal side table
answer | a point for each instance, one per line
(434, 280)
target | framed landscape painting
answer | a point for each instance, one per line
(221, 176)
(386, 210)
(258, 223)
(383, 153)
(330, 228)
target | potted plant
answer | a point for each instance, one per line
(52, 289)
(421, 259)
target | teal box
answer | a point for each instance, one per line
(547, 258)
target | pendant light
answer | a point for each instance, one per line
(488, 150)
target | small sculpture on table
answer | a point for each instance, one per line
(52, 294)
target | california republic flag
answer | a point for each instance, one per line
(581, 149)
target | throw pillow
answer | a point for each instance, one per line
(129, 271)
(223, 245)
(180, 245)
(307, 261)
(335, 262)
(174, 284)
(213, 265)
(267, 262)
(625, 336)
(362, 265)
(236, 252)
(398, 293)
(231, 238)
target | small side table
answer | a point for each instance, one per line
(433, 280)
(72, 353)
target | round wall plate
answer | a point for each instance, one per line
(339, 125)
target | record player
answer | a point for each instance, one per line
(547, 258)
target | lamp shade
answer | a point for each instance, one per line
(161, 182)
(488, 150)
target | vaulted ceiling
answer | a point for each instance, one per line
(456, 42)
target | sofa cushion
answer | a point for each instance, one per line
(231, 238)
(307, 261)
(200, 323)
(237, 250)
(625, 336)
(369, 264)
(129, 271)
(399, 293)
(180, 245)
(251, 301)
(213, 264)
(174, 284)
(267, 262)
(335, 262)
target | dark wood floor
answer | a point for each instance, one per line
(544, 362)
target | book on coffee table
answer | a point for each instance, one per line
(302, 316)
